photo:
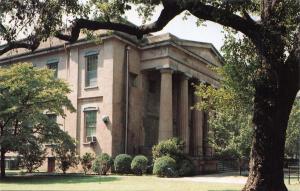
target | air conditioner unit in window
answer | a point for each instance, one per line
(91, 139)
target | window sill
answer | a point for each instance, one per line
(50, 144)
(89, 143)
(91, 87)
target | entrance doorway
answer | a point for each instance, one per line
(51, 164)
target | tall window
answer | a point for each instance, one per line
(53, 66)
(52, 117)
(90, 123)
(91, 70)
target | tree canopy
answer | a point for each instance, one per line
(231, 105)
(272, 26)
(37, 20)
(27, 96)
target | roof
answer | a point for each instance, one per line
(53, 44)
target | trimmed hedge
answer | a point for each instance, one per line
(172, 147)
(139, 164)
(165, 167)
(186, 168)
(102, 164)
(123, 164)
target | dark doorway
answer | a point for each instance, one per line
(51, 164)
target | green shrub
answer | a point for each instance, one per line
(65, 151)
(123, 164)
(102, 164)
(139, 164)
(172, 147)
(31, 156)
(186, 168)
(165, 167)
(87, 162)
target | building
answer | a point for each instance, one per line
(130, 94)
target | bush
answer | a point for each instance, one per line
(86, 162)
(31, 156)
(165, 167)
(139, 164)
(172, 147)
(102, 164)
(65, 151)
(123, 164)
(185, 168)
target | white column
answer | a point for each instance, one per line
(198, 129)
(165, 112)
(184, 131)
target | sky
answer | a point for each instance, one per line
(186, 29)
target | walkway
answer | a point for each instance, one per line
(230, 178)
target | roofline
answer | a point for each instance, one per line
(176, 45)
(128, 39)
(62, 47)
(213, 48)
(174, 39)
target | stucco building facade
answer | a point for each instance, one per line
(130, 94)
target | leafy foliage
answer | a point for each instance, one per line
(26, 92)
(87, 161)
(232, 103)
(64, 150)
(185, 167)
(102, 164)
(165, 167)
(139, 164)
(293, 131)
(172, 147)
(122, 164)
(31, 155)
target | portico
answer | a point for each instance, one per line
(172, 69)
(175, 90)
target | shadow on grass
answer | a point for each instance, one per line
(223, 190)
(56, 179)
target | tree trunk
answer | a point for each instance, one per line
(2, 163)
(272, 106)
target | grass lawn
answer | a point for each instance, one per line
(114, 183)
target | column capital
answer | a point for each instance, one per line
(166, 70)
(187, 75)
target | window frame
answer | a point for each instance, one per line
(87, 80)
(86, 111)
(52, 62)
(52, 116)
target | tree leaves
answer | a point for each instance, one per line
(27, 93)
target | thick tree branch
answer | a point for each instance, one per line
(167, 14)
(30, 43)
(224, 17)
(2, 29)
(268, 7)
